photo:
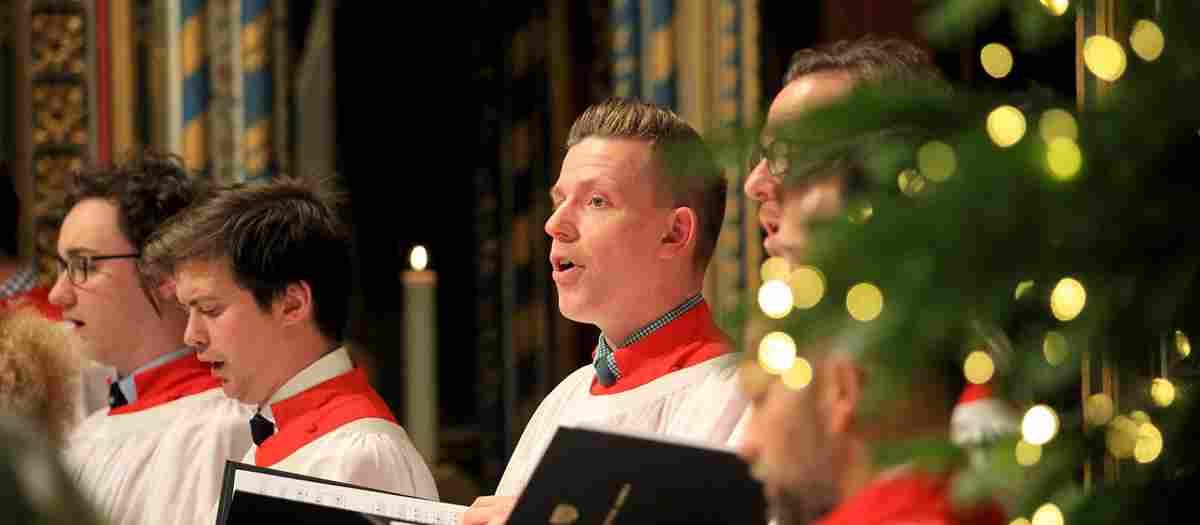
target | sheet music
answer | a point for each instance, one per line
(402, 508)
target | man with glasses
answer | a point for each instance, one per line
(815, 77)
(156, 454)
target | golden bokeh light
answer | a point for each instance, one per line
(775, 299)
(1104, 57)
(808, 286)
(1019, 521)
(775, 269)
(978, 367)
(997, 60)
(418, 258)
(1028, 454)
(1039, 425)
(1006, 126)
(936, 160)
(1139, 416)
(1121, 436)
(799, 375)
(1147, 40)
(1057, 7)
(776, 352)
(1055, 123)
(1054, 347)
(1068, 299)
(1162, 392)
(1182, 344)
(1149, 443)
(911, 182)
(1048, 514)
(864, 301)
(861, 213)
(1064, 158)
(1022, 288)
(1098, 409)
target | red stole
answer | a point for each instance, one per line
(911, 498)
(305, 417)
(691, 339)
(179, 378)
(38, 298)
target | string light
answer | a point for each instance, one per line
(1121, 437)
(1006, 126)
(775, 268)
(1054, 347)
(1039, 425)
(1056, 7)
(911, 182)
(1182, 344)
(1055, 123)
(1104, 57)
(1063, 158)
(1027, 453)
(776, 352)
(1098, 409)
(799, 375)
(808, 286)
(1048, 514)
(997, 60)
(775, 299)
(862, 213)
(978, 367)
(864, 301)
(936, 160)
(1162, 392)
(1068, 299)
(1022, 288)
(1147, 40)
(1149, 443)
(1139, 416)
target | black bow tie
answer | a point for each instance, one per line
(261, 428)
(116, 398)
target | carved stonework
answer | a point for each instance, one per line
(58, 43)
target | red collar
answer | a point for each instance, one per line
(179, 378)
(39, 298)
(912, 498)
(304, 417)
(689, 340)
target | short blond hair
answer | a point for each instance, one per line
(688, 174)
(38, 372)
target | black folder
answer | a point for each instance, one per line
(257, 495)
(591, 476)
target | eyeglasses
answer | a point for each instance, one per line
(78, 266)
(777, 155)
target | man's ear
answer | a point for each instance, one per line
(296, 303)
(841, 390)
(681, 233)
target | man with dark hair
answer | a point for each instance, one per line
(263, 272)
(157, 453)
(637, 209)
(18, 279)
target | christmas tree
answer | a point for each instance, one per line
(1040, 245)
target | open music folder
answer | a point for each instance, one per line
(593, 476)
(256, 495)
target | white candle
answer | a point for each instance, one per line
(420, 366)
